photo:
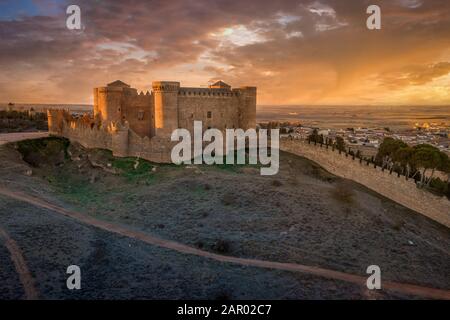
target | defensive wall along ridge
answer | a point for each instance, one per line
(390, 185)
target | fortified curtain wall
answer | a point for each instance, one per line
(121, 140)
(390, 185)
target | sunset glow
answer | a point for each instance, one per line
(295, 52)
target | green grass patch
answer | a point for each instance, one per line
(134, 169)
(78, 191)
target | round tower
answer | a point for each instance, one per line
(51, 122)
(55, 119)
(96, 112)
(108, 103)
(247, 108)
(166, 107)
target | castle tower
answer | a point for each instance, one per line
(166, 107)
(108, 102)
(51, 122)
(55, 119)
(247, 108)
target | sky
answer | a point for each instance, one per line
(295, 52)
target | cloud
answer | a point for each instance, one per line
(294, 51)
(411, 3)
(425, 74)
(415, 75)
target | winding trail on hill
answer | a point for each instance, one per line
(409, 289)
(21, 266)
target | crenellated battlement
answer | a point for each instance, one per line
(165, 86)
(208, 93)
(132, 123)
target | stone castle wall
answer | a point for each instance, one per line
(218, 112)
(137, 124)
(217, 108)
(402, 191)
(140, 125)
(120, 139)
(116, 104)
(170, 106)
(138, 110)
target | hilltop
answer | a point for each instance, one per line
(303, 215)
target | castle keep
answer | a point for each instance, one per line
(140, 125)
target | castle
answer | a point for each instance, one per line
(133, 124)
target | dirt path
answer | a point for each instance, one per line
(21, 266)
(409, 289)
(18, 136)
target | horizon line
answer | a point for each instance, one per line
(261, 105)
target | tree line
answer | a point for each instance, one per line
(419, 162)
(338, 143)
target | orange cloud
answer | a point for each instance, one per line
(296, 52)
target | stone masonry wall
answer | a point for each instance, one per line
(223, 112)
(391, 186)
(121, 140)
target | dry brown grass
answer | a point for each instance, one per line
(277, 183)
(343, 193)
(228, 199)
